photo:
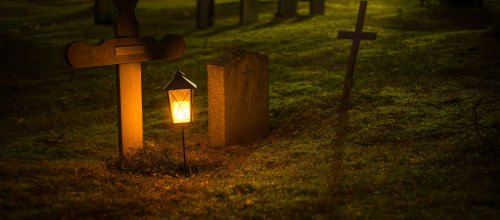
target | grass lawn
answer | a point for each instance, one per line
(421, 141)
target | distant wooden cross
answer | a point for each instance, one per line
(127, 50)
(356, 37)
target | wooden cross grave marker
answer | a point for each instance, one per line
(356, 37)
(127, 50)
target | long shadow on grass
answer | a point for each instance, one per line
(338, 143)
(279, 20)
(225, 10)
(222, 30)
(275, 21)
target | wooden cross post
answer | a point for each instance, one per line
(356, 37)
(127, 50)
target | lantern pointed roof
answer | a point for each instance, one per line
(179, 81)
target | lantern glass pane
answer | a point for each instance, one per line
(180, 105)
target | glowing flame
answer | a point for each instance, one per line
(181, 111)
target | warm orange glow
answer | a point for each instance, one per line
(180, 105)
(181, 112)
(130, 101)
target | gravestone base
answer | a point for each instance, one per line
(238, 98)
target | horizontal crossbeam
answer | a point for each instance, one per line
(356, 35)
(124, 50)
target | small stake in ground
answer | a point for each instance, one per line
(127, 50)
(356, 37)
(184, 150)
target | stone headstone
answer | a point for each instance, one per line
(248, 11)
(205, 13)
(287, 8)
(317, 7)
(104, 12)
(238, 98)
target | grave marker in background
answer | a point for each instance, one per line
(287, 8)
(317, 7)
(356, 37)
(238, 98)
(127, 50)
(248, 11)
(205, 12)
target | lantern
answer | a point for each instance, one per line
(180, 96)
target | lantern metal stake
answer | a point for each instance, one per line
(184, 150)
(180, 97)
